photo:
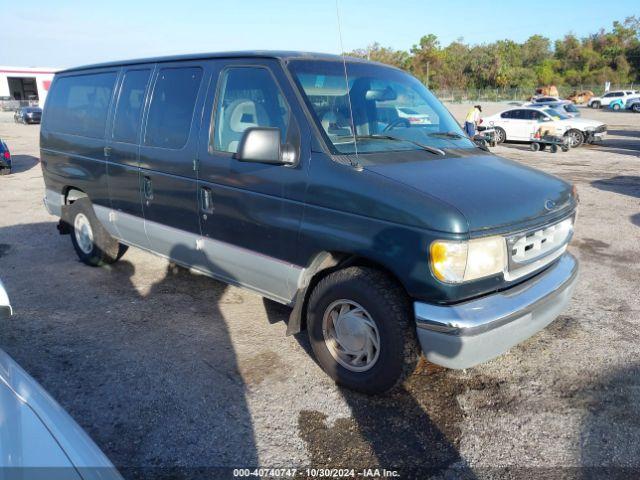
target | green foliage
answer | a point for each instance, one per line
(612, 55)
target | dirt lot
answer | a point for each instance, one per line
(165, 368)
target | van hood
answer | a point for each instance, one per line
(491, 192)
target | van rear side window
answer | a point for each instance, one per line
(172, 104)
(79, 104)
(127, 121)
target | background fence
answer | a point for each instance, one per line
(516, 94)
(13, 105)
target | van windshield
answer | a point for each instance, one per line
(389, 111)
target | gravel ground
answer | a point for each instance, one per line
(165, 368)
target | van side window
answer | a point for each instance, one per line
(79, 104)
(172, 104)
(127, 120)
(248, 97)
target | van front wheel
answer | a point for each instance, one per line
(90, 239)
(361, 330)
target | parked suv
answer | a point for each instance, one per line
(633, 104)
(607, 98)
(272, 172)
(5, 159)
(28, 115)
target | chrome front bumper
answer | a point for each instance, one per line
(472, 332)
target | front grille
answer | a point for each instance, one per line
(531, 250)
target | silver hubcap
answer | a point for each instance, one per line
(500, 136)
(574, 139)
(84, 234)
(351, 335)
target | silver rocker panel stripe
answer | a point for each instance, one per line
(268, 276)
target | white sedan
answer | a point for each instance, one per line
(519, 124)
(413, 116)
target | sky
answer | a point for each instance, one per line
(70, 32)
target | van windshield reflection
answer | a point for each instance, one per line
(362, 111)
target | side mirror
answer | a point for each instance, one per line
(262, 145)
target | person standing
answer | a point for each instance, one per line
(472, 120)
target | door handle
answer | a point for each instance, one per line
(147, 188)
(107, 151)
(206, 200)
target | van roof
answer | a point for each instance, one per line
(275, 54)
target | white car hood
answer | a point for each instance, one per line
(25, 442)
(35, 431)
(581, 123)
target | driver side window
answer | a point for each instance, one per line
(248, 97)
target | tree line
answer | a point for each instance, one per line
(609, 55)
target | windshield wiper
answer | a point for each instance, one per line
(445, 134)
(434, 150)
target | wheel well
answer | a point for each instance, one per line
(581, 132)
(71, 194)
(327, 263)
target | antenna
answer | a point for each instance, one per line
(346, 79)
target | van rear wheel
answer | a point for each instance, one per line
(361, 330)
(90, 239)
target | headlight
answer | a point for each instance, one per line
(456, 262)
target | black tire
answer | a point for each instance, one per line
(482, 143)
(615, 107)
(535, 146)
(553, 148)
(636, 107)
(388, 307)
(564, 148)
(103, 248)
(501, 135)
(576, 138)
(596, 104)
